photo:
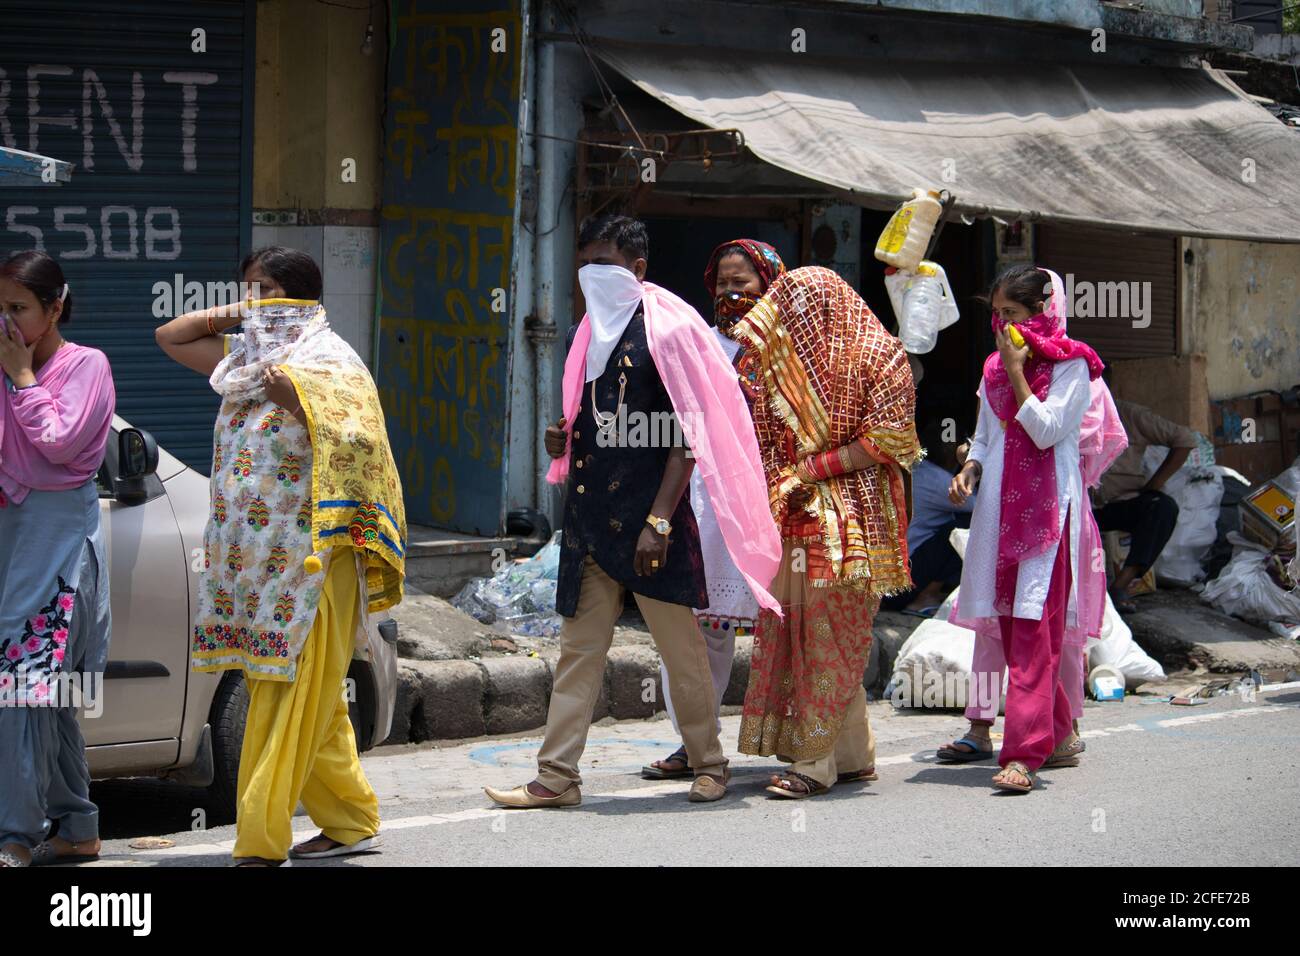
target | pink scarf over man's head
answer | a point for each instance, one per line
(1030, 522)
(714, 417)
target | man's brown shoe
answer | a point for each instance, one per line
(524, 799)
(708, 788)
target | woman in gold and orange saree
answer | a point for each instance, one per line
(835, 425)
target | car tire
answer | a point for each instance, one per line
(230, 714)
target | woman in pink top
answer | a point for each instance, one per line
(56, 409)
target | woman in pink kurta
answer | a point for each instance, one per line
(55, 413)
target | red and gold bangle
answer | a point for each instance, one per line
(846, 462)
(832, 464)
(828, 464)
(813, 468)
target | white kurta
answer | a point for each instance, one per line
(1053, 422)
(729, 594)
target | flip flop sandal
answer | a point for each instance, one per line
(651, 772)
(1015, 787)
(947, 754)
(342, 849)
(814, 788)
(854, 776)
(46, 855)
(1069, 757)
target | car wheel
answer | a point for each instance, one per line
(229, 712)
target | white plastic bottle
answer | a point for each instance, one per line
(922, 304)
(907, 235)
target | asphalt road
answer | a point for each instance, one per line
(1159, 784)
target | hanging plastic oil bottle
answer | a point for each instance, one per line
(927, 305)
(906, 237)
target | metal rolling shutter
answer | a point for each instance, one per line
(1106, 256)
(160, 189)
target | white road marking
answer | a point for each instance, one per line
(136, 857)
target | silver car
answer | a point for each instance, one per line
(159, 718)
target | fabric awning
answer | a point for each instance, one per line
(1180, 151)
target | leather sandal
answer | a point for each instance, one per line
(855, 776)
(1014, 766)
(1066, 755)
(809, 786)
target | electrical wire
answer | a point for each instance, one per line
(606, 91)
(1264, 13)
(585, 142)
(559, 214)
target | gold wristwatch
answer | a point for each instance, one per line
(660, 525)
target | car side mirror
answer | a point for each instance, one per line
(137, 457)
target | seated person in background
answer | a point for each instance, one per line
(1127, 501)
(936, 568)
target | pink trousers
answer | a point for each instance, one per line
(991, 663)
(1039, 707)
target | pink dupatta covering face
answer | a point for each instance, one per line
(714, 417)
(1030, 519)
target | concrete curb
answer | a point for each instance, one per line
(1192, 635)
(449, 700)
(454, 699)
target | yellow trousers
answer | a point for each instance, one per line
(298, 741)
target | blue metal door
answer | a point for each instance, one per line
(151, 102)
(447, 239)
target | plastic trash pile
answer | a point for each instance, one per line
(1197, 487)
(520, 597)
(1259, 583)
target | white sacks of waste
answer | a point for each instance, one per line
(933, 667)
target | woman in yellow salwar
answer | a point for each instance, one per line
(835, 424)
(306, 537)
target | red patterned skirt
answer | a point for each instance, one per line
(806, 667)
